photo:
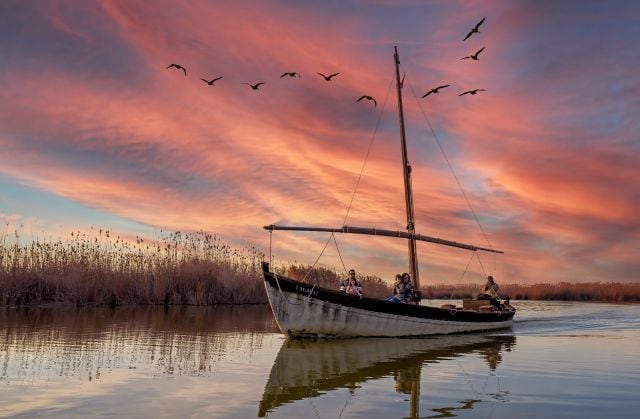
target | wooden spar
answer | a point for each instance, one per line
(406, 170)
(386, 233)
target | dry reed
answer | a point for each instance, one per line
(98, 268)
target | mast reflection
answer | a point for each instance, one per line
(309, 368)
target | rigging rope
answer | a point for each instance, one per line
(448, 163)
(270, 242)
(481, 265)
(371, 141)
(340, 255)
(351, 394)
(373, 137)
(318, 258)
(463, 273)
(305, 276)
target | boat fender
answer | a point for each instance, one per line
(453, 311)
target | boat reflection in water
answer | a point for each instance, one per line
(307, 369)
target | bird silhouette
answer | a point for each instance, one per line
(375, 104)
(329, 77)
(210, 82)
(290, 74)
(179, 67)
(474, 30)
(254, 86)
(435, 90)
(473, 56)
(472, 92)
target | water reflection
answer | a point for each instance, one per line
(219, 362)
(306, 369)
(37, 343)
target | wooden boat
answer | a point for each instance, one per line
(304, 310)
(311, 368)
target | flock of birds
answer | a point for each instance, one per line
(476, 57)
(329, 77)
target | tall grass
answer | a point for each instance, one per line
(98, 268)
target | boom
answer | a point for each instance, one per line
(386, 233)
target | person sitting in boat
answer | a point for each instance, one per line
(490, 290)
(344, 285)
(398, 290)
(408, 288)
(353, 288)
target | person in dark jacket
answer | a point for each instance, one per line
(408, 288)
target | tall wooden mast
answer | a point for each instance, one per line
(406, 170)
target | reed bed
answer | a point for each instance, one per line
(100, 268)
(565, 291)
(97, 268)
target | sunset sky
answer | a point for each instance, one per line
(96, 131)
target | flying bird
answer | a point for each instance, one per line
(474, 30)
(329, 77)
(290, 74)
(375, 104)
(472, 92)
(254, 86)
(179, 67)
(435, 90)
(210, 82)
(473, 56)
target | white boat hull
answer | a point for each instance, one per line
(303, 315)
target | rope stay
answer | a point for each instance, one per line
(270, 245)
(463, 273)
(305, 276)
(317, 259)
(339, 254)
(455, 176)
(446, 158)
(346, 216)
(364, 163)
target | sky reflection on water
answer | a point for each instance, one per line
(559, 360)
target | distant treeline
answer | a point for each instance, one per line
(586, 291)
(98, 268)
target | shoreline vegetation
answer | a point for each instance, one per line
(99, 268)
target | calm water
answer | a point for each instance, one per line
(559, 360)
